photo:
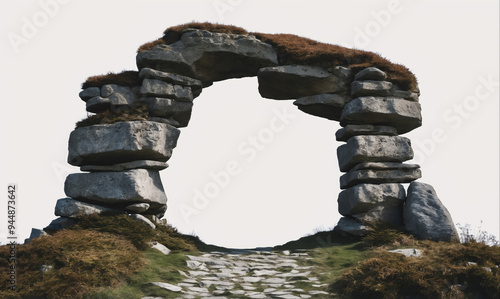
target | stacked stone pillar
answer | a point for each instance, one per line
(121, 161)
(373, 155)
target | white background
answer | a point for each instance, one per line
(290, 189)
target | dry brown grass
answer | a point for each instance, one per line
(138, 113)
(293, 49)
(442, 272)
(125, 78)
(82, 260)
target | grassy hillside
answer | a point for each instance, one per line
(109, 257)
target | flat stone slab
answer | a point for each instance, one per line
(118, 189)
(370, 88)
(325, 105)
(360, 149)
(144, 164)
(89, 93)
(195, 85)
(297, 81)
(210, 57)
(386, 166)
(395, 112)
(408, 252)
(109, 144)
(379, 176)
(353, 130)
(161, 107)
(69, 207)
(426, 217)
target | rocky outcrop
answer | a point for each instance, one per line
(374, 106)
(425, 215)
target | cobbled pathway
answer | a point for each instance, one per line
(254, 274)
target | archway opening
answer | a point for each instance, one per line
(252, 172)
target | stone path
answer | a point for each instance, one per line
(252, 274)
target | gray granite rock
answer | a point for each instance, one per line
(323, 105)
(408, 252)
(350, 227)
(210, 56)
(122, 142)
(141, 218)
(89, 93)
(373, 203)
(167, 286)
(157, 88)
(370, 73)
(112, 95)
(178, 120)
(386, 166)
(399, 113)
(69, 207)
(60, 223)
(117, 188)
(360, 149)
(161, 107)
(296, 81)
(97, 104)
(137, 207)
(379, 176)
(144, 164)
(353, 130)
(426, 217)
(160, 247)
(195, 85)
(405, 94)
(370, 88)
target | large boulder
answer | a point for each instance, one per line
(370, 203)
(395, 112)
(426, 217)
(210, 57)
(69, 207)
(296, 81)
(359, 149)
(108, 144)
(118, 189)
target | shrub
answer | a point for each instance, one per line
(443, 271)
(382, 234)
(125, 78)
(82, 260)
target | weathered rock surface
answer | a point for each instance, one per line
(145, 164)
(373, 202)
(60, 223)
(370, 88)
(399, 113)
(161, 107)
(122, 142)
(408, 252)
(89, 93)
(157, 88)
(117, 188)
(69, 207)
(359, 149)
(210, 56)
(379, 176)
(426, 217)
(371, 73)
(195, 85)
(323, 105)
(350, 227)
(112, 95)
(353, 130)
(296, 81)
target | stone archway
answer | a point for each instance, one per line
(139, 115)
